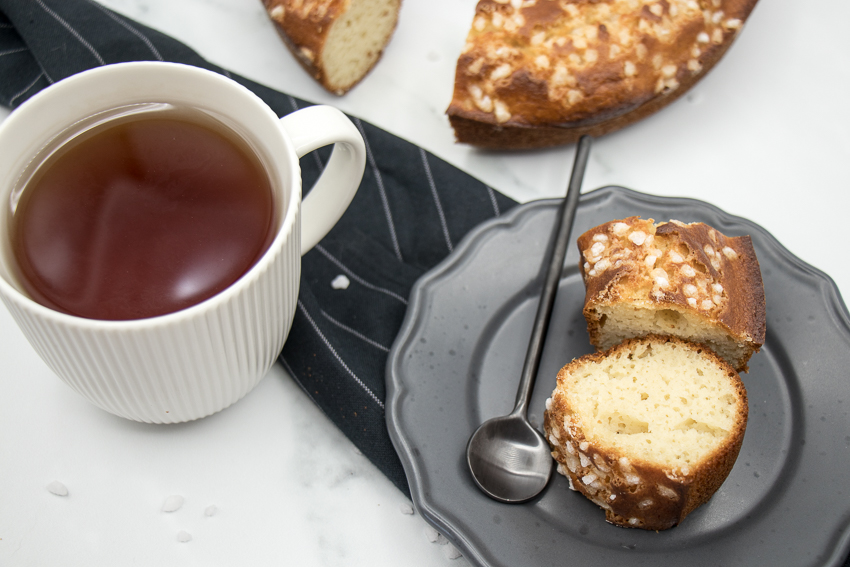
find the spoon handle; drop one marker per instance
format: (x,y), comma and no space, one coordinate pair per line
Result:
(564,224)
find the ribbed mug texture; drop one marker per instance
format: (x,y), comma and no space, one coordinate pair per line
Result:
(181,366)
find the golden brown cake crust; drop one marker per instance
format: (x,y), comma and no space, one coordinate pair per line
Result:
(696,269)
(635,493)
(303,27)
(539,73)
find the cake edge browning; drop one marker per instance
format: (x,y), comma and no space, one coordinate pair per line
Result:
(644,496)
(304,34)
(478,129)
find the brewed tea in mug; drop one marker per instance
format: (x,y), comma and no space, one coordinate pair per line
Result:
(140,212)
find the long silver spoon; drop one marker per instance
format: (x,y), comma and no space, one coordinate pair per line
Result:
(510,460)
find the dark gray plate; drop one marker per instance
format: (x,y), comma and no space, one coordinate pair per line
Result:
(457,363)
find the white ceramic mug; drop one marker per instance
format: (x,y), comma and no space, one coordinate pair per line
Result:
(191,363)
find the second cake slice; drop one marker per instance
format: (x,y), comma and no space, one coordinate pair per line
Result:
(672,278)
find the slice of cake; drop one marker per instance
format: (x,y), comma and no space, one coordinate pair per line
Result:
(648,430)
(337,41)
(687,280)
(537,73)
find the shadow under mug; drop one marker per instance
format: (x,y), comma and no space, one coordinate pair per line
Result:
(191,363)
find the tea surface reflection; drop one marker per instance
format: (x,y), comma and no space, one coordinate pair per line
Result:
(142,216)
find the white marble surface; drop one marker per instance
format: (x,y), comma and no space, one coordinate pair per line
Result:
(765,136)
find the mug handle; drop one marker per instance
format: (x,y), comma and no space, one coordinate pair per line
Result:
(310,129)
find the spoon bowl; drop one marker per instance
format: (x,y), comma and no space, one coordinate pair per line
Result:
(512,458)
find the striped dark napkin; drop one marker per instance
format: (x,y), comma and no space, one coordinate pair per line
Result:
(410,211)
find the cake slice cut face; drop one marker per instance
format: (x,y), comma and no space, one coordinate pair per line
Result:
(648,430)
(337,41)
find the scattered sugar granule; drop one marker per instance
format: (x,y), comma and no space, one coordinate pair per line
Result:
(211,510)
(434,536)
(451,552)
(183,536)
(340,282)
(406,509)
(431,534)
(172,503)
(57,488)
